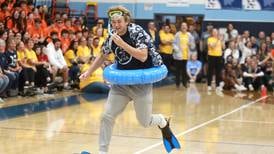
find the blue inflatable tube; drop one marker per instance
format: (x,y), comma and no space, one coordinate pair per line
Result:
(134,77)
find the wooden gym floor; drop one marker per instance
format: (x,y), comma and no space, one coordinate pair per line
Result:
(205,123)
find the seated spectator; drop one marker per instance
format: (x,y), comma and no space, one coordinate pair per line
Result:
(83,52)
(231,32)
(254,44)
(71,60)
(232,50)
(28,71)
(26,36)
(4,82)
(42,76)
(4,35)
(230,78)
(77,25)
(96,48)
(12,23)
(37,30)
(18,38)
(262,53)
(100,24)
(23,21)
(4,12)
(65,40)
(270,56)
(57,60)
(252,76)
(94,83)
(268,75)
(238,70)
(101,36)
(246,50)
(58,26)
(68,25)
(13,68)
(90,42)
(193,68)
(85,32)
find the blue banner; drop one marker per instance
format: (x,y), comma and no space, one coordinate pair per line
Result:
(231,4)
(258,4)
(267,4)
(223,4)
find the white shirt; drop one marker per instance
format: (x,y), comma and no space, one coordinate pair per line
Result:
(246,52)
(55,57)
(235,53)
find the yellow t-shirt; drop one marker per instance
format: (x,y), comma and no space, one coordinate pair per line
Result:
(83,51)
(31,55)
(69,55)
(168,48)
(101,41)
(96,51)
(217,50)
(184,39)
(111,57)
(21,55)
(96,76)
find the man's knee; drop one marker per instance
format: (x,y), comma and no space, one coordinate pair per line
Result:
(107,118)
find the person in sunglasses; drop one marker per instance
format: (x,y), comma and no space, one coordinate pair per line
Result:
(133,49)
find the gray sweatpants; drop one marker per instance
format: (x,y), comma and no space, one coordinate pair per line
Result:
(119,97)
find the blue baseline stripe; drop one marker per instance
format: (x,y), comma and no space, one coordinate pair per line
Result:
(25,109)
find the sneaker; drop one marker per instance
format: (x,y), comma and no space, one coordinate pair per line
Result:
(67,86)
(250,87)
(1,100)
(243,88)
(164,121)
(238,87)
(219,88)
(222,84)
(219,93)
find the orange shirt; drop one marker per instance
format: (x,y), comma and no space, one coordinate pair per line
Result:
(37,32)
(9,24)
(10,5)
(30,23)
(70,28)
(77,28)
(65,44)
(4,14)
(57,29)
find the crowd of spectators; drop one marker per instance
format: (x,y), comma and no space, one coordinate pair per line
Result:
(226,60)
(38,49)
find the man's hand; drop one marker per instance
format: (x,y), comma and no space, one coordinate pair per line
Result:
(118,40)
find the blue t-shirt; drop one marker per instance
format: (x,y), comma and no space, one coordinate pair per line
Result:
(193,66)
(3,61)
(11,58)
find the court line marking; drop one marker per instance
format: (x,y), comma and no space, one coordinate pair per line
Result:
(203,124)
